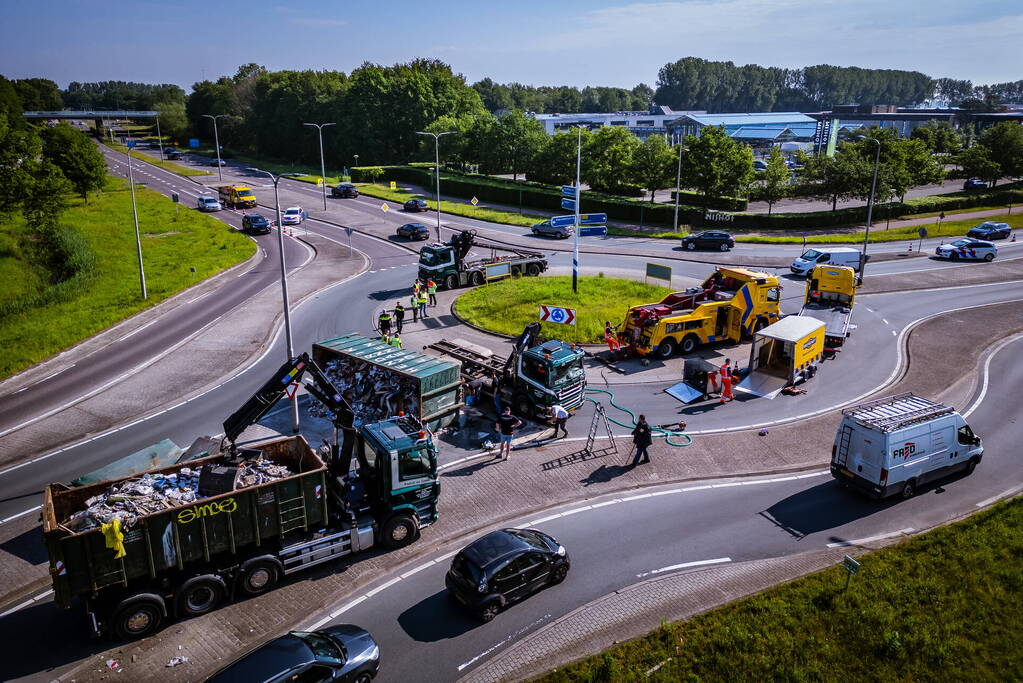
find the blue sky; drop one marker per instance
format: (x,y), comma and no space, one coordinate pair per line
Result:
(558,42)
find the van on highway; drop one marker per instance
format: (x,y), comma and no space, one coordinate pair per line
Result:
(835,256)
(893,445)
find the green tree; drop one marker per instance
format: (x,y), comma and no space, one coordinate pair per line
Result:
(38,94)
(654,165)
(1004,144)
(607,157)
(939,136)
(173,120)
(716,165)
(775,178)
(76,156)
(917,164)
(555,162)
(842,176)
(976,162)
(10,104)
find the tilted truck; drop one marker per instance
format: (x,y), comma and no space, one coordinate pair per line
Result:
(730,305)
(783,353)
(532,378)
(446,264)
(236,196)
(830,294)
(237,538)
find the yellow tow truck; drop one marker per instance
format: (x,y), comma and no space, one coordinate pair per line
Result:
(731,305)
(236,196)
(830,294)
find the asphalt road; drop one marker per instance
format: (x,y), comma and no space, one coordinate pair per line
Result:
(424,635)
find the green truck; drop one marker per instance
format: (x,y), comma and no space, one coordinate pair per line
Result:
(251,516)
(447,264)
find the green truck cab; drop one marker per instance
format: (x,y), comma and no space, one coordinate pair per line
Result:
(447,264)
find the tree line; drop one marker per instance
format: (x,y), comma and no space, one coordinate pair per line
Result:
(562,99)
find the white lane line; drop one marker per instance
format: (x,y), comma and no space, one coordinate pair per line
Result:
(139,329)
(418,569)
(192,301)
(27,603)
(987,373)
(445,556)
(544,519)
(53,374)
(685,565)
(502,642)
(893,334)
(370,594)
(20,514)
(871,539)
(885,321)
(1003,494)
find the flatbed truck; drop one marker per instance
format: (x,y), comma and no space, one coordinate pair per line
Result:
(446,264)
(186,560)
(830,294)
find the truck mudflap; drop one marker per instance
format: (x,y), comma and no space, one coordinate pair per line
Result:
(854,481)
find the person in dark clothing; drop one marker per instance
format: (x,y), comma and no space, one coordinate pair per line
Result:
(506,424)
(642,438)
(384,322)
(399,316)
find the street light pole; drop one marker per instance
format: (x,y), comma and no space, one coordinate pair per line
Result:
(678,183)
(159,137)
(870,206)
(135,216)
(284,290)
(216,142)
(436,149)
(323,170)
(578,197)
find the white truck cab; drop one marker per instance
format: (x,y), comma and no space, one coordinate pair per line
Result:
(894,445)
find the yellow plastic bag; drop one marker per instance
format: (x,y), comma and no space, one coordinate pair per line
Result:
(114,537)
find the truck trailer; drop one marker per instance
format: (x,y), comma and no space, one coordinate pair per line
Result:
(446,264)
(782,354)
(178,541)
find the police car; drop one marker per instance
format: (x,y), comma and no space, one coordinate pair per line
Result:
(967,248)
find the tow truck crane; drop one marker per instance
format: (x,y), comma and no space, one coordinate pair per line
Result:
(445,262)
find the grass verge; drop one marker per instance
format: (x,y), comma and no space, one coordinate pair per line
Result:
(507,306)
(155,161)
(173,241)
(941,607)
(947,228)
(480,213)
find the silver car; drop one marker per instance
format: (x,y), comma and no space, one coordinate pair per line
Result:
(548,230)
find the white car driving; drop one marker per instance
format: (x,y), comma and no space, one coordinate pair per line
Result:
(293,215)
(967,248)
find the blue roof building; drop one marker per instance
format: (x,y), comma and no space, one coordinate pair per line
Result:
(757,128)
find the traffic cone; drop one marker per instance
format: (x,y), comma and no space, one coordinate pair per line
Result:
(910,250)
(1013,237)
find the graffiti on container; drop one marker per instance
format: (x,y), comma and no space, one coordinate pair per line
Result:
(214,507)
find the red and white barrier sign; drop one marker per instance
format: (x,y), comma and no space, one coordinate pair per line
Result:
(555,314)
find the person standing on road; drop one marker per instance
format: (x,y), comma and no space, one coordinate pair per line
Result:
(642,437)
(611,337)
(399,316)
(431,288)
(384,322)
(506,424)
(396,341)
(414,305)
(726,382)
(424,299)
(559,416)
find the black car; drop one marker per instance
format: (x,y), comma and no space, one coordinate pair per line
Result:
(414,231)
(709,239)
(217,162)
(173,155)
(255,224)
(416,205)
(334,653)
(503,567)
(990,231)
(974,184)
(344,190)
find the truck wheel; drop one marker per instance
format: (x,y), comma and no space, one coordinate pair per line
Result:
(199,595)
(689,344)
(450,282)
(523,406)
(516,271)
(532,269)
(476,278)
(138,616)
(666,349)
(258,576)
(908,490)
(399,531)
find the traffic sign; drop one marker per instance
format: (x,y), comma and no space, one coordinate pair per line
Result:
(568,191)
(851,565)
(568,205)
(474,201)
(384,207)
(556,314)
(394,185)
(658,272)
(193,143)
(584,219)
(922,232)
(593,231)
(131,143)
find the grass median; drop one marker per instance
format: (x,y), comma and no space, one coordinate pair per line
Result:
(941,607)
(174,241)
(507,306)
(946,228)
(160,163)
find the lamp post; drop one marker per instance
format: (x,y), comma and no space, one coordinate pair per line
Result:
(436,148)
(216,142)
(135,216)
(678,183)
(870,205)
(284,287)
(159,137)
(323,172)
(578,197)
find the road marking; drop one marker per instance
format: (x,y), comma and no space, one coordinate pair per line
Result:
(502,642)
(871,539)
(192,301)
(684,565)
(986,373)
(20,514)
(1003,494)
(893,334)
(139,329)
(53,374)
(885,321)
(544,519)
(27,603)
(370,594)
(418,569)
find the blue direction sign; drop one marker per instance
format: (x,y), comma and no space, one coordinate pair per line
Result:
(193,143)
(593,231)
(584,219)
(562,221)
(568,191)
(568,204)
(131,143)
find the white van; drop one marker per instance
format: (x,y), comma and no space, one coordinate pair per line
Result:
(835,256)
(894,445)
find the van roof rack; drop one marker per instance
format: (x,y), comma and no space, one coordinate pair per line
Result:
(895,412)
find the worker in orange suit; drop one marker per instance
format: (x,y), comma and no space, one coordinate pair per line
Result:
(610,337)
(726,381)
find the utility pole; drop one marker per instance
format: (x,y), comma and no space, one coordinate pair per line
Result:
(216,141)
(870,206)
(436,149)
(323,171)
(678,183)
(578,197)
(159,137)
(135,216)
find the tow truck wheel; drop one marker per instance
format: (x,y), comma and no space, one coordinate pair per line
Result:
(666,349)
(476,278)
(399,531)
(688,344)
(450,282)
(532,270)
(199,595)
(138,617)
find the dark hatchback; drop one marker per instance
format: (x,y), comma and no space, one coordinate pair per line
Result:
(255,224)
(414,231)
(974,184)
(344,190)
(504,567)
(990,231)
(709,239)
(335,653)
(416,205)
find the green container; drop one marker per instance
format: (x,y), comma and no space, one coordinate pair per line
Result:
(380,380)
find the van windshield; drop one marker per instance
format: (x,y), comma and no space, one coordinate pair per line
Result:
(810,255)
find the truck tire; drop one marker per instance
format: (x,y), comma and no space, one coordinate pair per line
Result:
(533,269)
(259,575)
(516,271)
(908,489)
(523,406)
(476,278)
(199,595)
(666,349)
(399,531)
(451,282)
(689,344)
(138,616)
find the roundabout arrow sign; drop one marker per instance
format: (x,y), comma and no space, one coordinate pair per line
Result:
(556,314)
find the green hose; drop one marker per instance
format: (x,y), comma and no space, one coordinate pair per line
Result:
(656,431)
